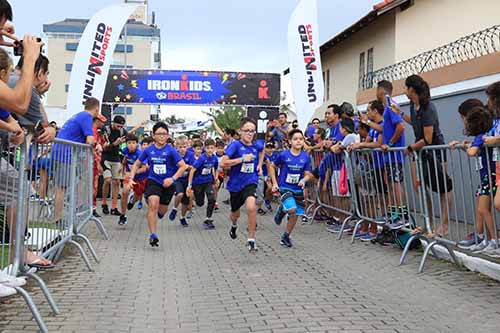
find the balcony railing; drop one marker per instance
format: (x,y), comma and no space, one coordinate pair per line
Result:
(466,48)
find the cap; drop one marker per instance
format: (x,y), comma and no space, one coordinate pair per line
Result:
(347,109)
(119,120)
(348,124)
(101,118)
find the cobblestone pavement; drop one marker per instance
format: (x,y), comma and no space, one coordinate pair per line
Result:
(202,281)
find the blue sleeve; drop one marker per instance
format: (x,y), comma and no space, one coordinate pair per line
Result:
(278,160)
(395,118)
(199,162)
(4,114)
(86,124)
(174,155)
(307,166)
(216,163)
(231,150)
(144,155)
(478,141)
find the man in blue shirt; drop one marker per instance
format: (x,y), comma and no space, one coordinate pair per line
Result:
(165,167)
(202,177)
(77,129)
(294,172)
(244,158)
(280,131)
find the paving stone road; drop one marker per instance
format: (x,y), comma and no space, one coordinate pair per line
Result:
(202,281)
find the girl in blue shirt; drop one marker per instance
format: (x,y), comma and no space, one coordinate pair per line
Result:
(295,171)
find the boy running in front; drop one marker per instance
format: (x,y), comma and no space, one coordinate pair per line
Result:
(202,177)
(295,171)
(166,166)
(131,154)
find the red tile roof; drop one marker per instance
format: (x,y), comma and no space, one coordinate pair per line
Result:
(382,4)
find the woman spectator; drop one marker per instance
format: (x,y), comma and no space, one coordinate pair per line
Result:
(424,119)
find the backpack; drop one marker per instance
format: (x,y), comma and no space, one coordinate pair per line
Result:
(402,237)
(386,236)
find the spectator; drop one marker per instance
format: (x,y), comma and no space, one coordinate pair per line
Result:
(312,127)
(279,130)
(333,115)
(99,122)
(77,129)
(347,111)
(112,166)
(53,124)
(424,119)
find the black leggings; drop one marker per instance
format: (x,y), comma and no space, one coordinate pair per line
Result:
(199,196)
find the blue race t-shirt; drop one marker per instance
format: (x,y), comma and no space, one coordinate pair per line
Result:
(189,160)
(76,129)
(243,174)
(130,159)
(485,155)
(292,168)
(334,132)
(378,157)
(162,162)
(310,131)
(391,119)
(205,166)
(4,114)
(271,158)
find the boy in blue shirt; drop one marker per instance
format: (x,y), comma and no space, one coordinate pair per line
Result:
(244,158)
(295,171)
(181,197)
(202,177)
(131,154)
(165,167)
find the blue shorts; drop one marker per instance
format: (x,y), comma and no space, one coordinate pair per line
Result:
(291,200)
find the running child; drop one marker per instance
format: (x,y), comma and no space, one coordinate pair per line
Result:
(146,142)
(294,172)
(181,197)
(131,154)
(244,158)
(166,166)
(219,152)
(202,178)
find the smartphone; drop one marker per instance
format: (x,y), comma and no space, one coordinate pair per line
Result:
(19,48)
(39,129)
(388,100)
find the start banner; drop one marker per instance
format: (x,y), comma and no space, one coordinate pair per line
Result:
(192,87)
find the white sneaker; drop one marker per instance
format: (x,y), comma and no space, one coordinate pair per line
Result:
(6,291)
(491,246)
(479,247)
(12,281)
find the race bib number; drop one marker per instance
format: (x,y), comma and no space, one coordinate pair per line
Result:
(292,179)
(160,169)
(206,171)
(247,168)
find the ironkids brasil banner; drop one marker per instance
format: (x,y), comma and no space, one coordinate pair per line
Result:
(192,87)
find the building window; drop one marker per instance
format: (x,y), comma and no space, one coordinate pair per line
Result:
(71,46)
(121,66)
(123,110)
(369,69)
(66,87)
(327,86)
(361,70)
(69,67)
(120,48)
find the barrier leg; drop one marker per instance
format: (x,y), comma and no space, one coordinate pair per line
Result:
(101,228)
(346,220)
(83,254)
(403,260)
(34,310)
(315,211)
(89,245)
(355,230)
(45,291)
(424,257)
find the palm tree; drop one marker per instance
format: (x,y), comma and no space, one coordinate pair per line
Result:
(227,116)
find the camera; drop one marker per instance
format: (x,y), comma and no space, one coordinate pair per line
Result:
(19,49)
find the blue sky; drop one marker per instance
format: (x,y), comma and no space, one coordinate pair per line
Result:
(240,35)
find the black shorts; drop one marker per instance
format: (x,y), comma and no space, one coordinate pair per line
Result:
(180,188)
(165,193)
(238,199)
(394,172)
(378,176)
(435,177)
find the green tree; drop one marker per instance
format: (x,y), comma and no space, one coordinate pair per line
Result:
(174,120)
(227,116)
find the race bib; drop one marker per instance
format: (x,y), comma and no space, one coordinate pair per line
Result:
(160,169)
(247,168)
(292,179)
(206,171)
(495,154)
(185,174)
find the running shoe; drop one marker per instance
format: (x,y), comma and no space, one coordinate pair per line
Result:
(115,212)
(105,209)
(189,214)
(368,237)
(184,223)
(491,247)
(123,220)
(11,281)
(360,234)
(139,205)
(285,240)
(95,213)
(232,231)
(479,247)
(130,201)
(395,224)
(160,216)
(252,248)
(211,224)
(268,206)
(470,241)
(261,211)
(304,219)
(280,214)
(207,224)
(335,228)
(332,221)
(173,214)
(216,207)
(6,291)
(153,240)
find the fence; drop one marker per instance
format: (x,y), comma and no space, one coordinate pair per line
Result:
(46,200)
(427,197)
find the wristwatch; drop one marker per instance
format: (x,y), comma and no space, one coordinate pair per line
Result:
(409,148)
(390,144)
(368,122)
